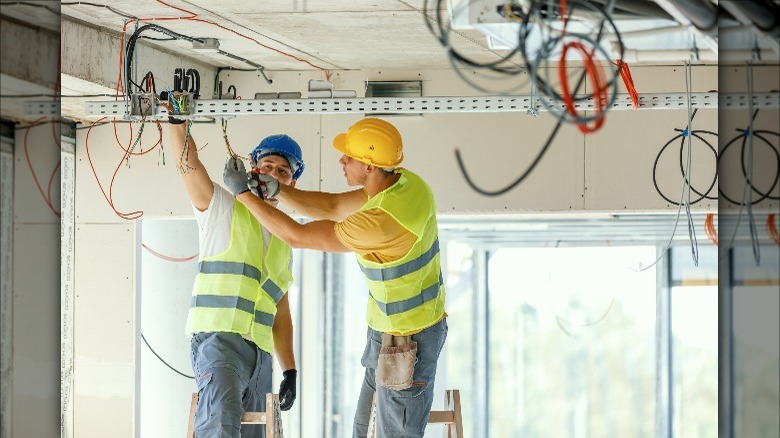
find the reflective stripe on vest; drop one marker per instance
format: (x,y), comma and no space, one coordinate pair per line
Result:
(237,268)
(238,289)
(406,295)
(232,302)
(385,274)
(427,294)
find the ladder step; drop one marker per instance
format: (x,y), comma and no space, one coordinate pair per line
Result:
(446,417)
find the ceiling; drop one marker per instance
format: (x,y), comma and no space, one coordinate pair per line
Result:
(348,35)
(331,34)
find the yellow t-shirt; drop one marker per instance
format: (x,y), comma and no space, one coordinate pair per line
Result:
(375,235)
(378,237)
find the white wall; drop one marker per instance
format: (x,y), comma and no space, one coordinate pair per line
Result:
(609,171)
(36,287)
(166,288)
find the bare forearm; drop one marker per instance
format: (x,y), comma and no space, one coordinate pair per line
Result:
(319,235)
(321,205)
(283,338)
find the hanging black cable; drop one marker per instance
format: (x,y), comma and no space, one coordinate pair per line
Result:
(544,148)
(130,49)
(97,5)
(743,136)
(163,361)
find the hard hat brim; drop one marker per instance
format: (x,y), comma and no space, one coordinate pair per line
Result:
(340,143)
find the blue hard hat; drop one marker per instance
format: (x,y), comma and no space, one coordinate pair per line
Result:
(283,145)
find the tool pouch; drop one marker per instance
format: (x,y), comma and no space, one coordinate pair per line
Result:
(397,357)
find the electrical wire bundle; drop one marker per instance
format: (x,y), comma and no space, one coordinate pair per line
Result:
(556,44)
(538,15)
(507,66)
(682,137)
(743,137)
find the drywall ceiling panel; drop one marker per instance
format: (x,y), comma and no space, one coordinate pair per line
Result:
(735,144)
(105,329)
(620,156)
(620,159)
(496,148)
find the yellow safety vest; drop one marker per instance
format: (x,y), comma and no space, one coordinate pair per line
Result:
(406,295)
(237,290)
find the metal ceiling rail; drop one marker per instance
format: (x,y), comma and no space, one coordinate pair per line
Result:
(417,105)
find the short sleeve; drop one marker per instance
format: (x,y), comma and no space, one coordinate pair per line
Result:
(375,235)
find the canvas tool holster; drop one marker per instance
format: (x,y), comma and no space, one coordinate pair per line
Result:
(397,357)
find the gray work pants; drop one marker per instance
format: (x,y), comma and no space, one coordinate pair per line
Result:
(400,414)
(233,376)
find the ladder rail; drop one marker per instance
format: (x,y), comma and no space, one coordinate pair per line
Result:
(451,417)
(272,422)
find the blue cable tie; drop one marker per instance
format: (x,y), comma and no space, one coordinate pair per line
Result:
(746,133)
(685,132)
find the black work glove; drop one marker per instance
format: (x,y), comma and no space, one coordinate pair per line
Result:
(287,389)
(174,121)
(234,176)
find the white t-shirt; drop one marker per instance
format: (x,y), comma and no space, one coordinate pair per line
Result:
(214,223)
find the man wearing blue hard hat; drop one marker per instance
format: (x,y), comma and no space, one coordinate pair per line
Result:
(239,314)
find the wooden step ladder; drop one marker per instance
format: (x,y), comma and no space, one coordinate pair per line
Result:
(270,421)
(450,417)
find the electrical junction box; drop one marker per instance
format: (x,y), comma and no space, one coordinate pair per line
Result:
(182,103)
(486,16)
(143,104)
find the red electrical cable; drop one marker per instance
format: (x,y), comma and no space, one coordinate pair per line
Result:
(709,228)
(771,228)
(109,197)
(563,13)
(628,81)
(596,77)
(192,14)
(168,258)
(47,199)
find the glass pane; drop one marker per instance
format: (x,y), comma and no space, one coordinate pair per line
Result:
(571,342)
(457,361)
(756,308)
(346,334)
(694,319)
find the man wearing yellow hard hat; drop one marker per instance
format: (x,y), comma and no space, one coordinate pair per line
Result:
(390,225)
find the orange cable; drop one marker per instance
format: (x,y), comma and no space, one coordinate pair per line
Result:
(625,73)
(109,197)
(46,199)
(709,228)
(771,228)
(169,258)
(597,83)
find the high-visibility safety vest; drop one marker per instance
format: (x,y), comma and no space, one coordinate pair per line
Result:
(237,290)
(406,295)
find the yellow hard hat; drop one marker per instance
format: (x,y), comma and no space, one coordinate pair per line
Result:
(372,141)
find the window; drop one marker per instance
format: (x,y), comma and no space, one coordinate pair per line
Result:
(554,342)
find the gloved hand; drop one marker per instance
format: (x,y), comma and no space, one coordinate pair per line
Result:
(234,176)
(174,121)
(263,185)
(287,389)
